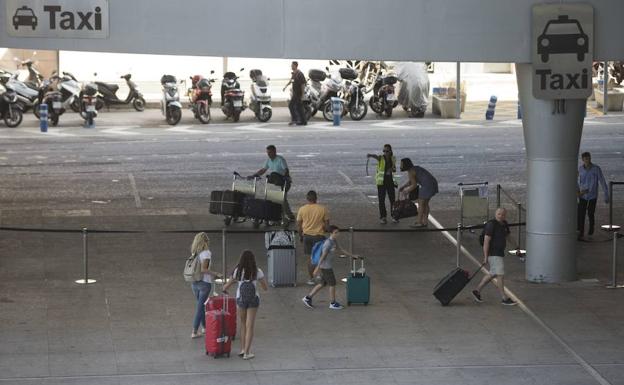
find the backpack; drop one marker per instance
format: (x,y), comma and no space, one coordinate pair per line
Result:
(317,251)
(482,236)
(192,269)
(247,291)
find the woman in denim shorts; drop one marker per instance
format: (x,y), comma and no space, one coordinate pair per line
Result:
(247,274)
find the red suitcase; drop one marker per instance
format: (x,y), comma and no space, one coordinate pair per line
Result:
(218,341)
(219,303)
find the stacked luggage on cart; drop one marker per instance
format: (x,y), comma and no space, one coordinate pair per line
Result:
(243,202)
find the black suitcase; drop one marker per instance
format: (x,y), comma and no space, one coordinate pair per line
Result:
(404,209)
(215,202)
(452,284)
(232,203)
(262,209)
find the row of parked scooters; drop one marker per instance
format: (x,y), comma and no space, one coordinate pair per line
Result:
(60,92)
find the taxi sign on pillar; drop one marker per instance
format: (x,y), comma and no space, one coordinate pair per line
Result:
(562,50)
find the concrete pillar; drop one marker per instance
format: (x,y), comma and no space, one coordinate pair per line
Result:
(552,134)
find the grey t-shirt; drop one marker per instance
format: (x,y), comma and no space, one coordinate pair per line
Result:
(330,247)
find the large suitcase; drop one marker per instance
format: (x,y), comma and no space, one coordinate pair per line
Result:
(216,197)
(262,209)
(217,340)
(227,202)
(281,258)
(404,209)
(221,302)
(452,284)
(358,285)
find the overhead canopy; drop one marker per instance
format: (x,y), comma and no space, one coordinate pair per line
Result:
(420,30)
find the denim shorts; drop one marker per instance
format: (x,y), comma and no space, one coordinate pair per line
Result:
(246,305)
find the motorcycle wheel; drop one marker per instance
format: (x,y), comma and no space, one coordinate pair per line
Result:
(374,105)
(16,119)
(236,115)
(265,115)
(308,112)
(54,119)
(99,103)
(203,114)
(173,115)
(388,111)
(36,109)
(358,112)
(327,112)
(139,104)
(75,105)
(313,112)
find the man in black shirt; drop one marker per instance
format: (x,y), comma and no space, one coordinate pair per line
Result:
(295,106)
(494,243)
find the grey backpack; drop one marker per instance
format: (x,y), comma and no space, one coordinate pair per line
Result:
(192,269)
(247,291)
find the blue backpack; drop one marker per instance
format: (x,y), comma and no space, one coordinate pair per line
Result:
(317,250)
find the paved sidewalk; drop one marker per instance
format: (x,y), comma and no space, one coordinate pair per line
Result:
(133,325)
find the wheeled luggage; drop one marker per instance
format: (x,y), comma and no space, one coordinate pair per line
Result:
(358,285)
(404,209)
(281,258)
(452,284)
(262,209)
(218,341)
(227,202)
(221,302)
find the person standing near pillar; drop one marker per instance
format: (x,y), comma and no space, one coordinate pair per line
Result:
(386,166)
(589,175)
(494,243)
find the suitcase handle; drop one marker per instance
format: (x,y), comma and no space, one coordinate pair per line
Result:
(353,271)
(476,272)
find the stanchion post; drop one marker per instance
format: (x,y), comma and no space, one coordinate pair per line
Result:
(611,204)
(351,239)
(614,284)
(85,258)
(459,240)
(519,224)
(498,195)
(224,252)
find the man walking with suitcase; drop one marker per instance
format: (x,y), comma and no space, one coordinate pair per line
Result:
(278,169)
(312,220)
(494,243)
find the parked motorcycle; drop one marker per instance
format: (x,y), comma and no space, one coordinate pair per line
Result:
(68,88)
(170,105)
(353,96)
(26,93)
(10,111)
(331,88)
(260,99)
(108,94)
(312,92)
(414,90)
(384,98)
(200,95)
(49,95)
(34,76)
(232,97)
(88,98)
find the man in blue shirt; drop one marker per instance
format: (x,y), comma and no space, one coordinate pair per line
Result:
(589,176)
(278,174)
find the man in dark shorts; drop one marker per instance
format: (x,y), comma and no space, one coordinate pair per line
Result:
(325,268)
(312,220)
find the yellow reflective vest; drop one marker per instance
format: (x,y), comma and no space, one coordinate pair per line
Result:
(381,169)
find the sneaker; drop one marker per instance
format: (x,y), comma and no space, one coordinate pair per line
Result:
(203,330)
(195,335)
(248,356)
(477,296)
(394,220)
(307,301)
(241,354)
(383,221)
(509,302)
(335,306)
(291,123)
(311,282)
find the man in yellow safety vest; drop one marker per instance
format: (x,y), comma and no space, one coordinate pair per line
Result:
(386,166)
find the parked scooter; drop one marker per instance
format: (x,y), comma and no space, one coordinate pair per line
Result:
(200,95)
(312,92)
(384,98)
(88,98)
(68,88)
(108,94)
(332,86)
(26,93)
(49,95)
(170,105)
(34,76)
(9,109)
(232,97)
(260,99)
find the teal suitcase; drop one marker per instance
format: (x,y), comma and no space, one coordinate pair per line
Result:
(358,286)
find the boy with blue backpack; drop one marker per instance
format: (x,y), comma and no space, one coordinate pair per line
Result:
(323,254)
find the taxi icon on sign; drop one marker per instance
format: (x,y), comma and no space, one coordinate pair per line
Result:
(24,16)
(562,36)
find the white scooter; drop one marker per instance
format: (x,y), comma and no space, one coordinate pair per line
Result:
(260,98)
(170,105)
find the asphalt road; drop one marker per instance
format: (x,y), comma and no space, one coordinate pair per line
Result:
(135,161)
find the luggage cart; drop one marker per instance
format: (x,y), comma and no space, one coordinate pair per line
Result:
(474,203)
(272,193)
(244,185)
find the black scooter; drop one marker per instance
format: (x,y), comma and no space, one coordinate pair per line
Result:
(108,94)
(9,109)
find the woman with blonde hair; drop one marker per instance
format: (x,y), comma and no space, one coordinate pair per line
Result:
(201,289)
(247,274)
